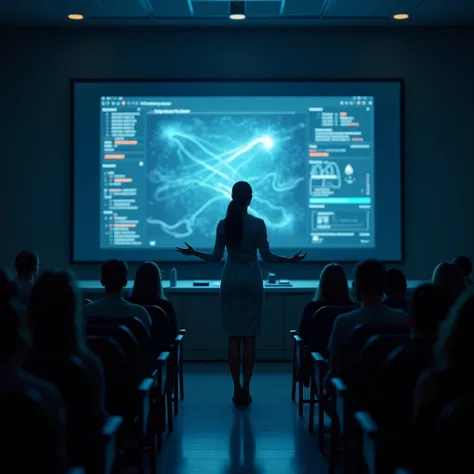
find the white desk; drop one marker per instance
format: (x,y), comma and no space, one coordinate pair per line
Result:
(198,311)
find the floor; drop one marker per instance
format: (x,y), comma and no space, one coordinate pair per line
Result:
(213,437)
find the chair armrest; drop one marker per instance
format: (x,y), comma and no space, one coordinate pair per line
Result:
(76,470)
(366,422)
(145,385)
(111,427)
(182,332)
(178,338)
(339,385)
(298,339)
(339,401)
(144,397)
(163,357)
(318,358)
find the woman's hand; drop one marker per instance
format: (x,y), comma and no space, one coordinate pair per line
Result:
(298,257)
(188,251)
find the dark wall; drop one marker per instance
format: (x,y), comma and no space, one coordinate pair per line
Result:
(437,65)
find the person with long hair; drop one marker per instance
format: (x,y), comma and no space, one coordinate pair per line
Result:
(333,290)
(452,376)
(450,276)
(55,318)
(148,291)
(49,451)
(241,292)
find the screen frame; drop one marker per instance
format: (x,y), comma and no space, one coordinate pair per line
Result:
(399,80)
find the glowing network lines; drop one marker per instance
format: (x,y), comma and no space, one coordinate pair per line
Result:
(206,170)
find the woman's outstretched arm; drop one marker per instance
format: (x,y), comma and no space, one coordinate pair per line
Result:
(215,256)
(270,257)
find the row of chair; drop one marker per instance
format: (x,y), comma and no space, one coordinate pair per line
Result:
(371,408)
(144,382)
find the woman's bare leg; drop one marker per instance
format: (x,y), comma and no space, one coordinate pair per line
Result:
(235,361)
(248,361)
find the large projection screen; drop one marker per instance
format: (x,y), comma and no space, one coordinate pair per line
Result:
(154,164)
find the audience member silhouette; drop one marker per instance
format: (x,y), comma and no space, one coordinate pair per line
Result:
(395,290)
(27,269)
(429,307)
(55,318)
(241,292)
(333,290)
(449,276)
(465,264)
(453,375)
(370,280)
(43,445)
(113,278)
(148,291)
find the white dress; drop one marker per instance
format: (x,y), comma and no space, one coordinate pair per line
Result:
(241,291)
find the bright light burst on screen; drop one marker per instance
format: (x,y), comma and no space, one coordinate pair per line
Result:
(198,162)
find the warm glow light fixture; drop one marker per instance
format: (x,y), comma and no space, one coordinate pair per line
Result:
(237,10)
(401,16)
(75,16)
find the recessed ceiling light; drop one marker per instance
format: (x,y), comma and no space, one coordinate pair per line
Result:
(401,16)
(237,10)
(75,16)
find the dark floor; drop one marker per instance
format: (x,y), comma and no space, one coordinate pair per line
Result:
(213,437)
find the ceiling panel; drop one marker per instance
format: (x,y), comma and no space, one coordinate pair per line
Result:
(351,8)
(446,10)
(302,7)
(171,8)
(14,10)
(269,12)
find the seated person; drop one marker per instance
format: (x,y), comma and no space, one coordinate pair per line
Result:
(453,374)
(50,453)
(370,279)
(55,318)
(114,279)
(395,290)
(27,268)
(333,290)
(430,306)
(465,264)
(449,276)
(148,291)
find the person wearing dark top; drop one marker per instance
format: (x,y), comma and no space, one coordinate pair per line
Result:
(48,454)
(333,290)
(55,318)
(453,374)
(27,269)
(450,276)
(465,264)
(395,290)
(148,291)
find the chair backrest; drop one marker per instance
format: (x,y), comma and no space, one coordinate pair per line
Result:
(365,375)
(120,380)
(363,332)
(126,340)
(136,326)
(161,330)
(398,381)
(70,376)
(30,439)
(321,326)
(455,436)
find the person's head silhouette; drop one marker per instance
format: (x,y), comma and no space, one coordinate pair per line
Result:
(241,198)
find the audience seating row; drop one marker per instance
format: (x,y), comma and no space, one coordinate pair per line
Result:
(144,376)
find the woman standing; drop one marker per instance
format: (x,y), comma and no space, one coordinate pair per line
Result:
(241,291)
